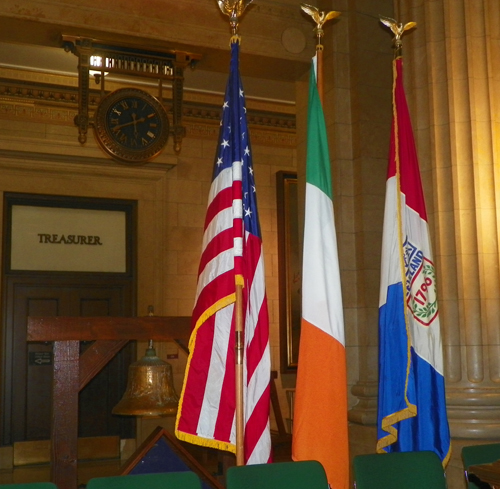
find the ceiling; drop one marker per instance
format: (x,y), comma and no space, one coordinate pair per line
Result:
(37,46)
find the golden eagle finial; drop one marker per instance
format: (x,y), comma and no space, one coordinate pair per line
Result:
(320,18)
(397,28)
(234,10)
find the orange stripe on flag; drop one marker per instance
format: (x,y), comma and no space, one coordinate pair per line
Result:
(320,412)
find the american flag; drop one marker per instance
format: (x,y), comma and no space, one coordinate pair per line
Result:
(231,253)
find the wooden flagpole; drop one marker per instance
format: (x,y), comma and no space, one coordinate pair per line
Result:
(234,10)
(240,420)
(319,72)
(320,18)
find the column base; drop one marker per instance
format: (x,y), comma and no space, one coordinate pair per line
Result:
(474,413)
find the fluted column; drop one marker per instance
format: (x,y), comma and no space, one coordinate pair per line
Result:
(453,88)
(358,111)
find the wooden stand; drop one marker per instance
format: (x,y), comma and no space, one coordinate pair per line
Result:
(73,372)
(487,473)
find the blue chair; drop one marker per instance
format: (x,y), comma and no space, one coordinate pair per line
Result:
(308,474)
(479,454)
(399,470)
(169,480)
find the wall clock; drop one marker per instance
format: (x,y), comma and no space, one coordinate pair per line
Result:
(131,125)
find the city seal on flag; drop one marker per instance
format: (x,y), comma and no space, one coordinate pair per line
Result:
(421,285)
(411,412)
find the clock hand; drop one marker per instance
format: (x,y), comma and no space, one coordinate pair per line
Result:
(134,122)
(134,115)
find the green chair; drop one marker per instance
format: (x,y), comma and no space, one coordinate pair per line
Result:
(30,485)
(308,474)
(479,454)
(169,480)
(399,470)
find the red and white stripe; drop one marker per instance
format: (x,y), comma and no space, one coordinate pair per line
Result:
(207,413)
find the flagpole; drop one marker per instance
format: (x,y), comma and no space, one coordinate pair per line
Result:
(411,390)
(320,18)
(319,68)
(398,30)
(320,429)
(234,10)
(240,421)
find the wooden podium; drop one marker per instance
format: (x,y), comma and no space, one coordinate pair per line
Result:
(73,372)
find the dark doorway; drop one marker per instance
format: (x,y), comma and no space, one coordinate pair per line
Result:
(27,367)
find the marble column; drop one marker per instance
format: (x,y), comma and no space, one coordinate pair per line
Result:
(358,111)
(452,75)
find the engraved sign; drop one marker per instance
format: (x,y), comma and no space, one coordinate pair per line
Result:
(68,239)
(39,358)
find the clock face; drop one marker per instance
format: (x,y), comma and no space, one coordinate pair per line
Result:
(131,126)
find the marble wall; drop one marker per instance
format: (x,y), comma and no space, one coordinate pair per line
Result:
(451,76)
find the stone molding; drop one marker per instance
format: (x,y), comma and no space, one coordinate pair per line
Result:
(55,104)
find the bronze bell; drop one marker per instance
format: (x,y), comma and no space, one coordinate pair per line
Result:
(150,388)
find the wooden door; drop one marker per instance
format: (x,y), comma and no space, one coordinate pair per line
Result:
(48,274)
(27,379)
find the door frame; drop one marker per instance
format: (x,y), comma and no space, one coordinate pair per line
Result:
(10,277)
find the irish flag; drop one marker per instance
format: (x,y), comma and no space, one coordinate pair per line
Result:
(320,411)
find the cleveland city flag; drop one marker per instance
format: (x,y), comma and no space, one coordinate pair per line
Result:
(231,253)
(320,408)
(411,398)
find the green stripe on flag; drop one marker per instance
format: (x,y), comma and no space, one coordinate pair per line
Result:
(318,171)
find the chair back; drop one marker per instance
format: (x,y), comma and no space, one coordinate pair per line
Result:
(479,454)
(399,470)
(30,485)
(170,480)
(308,474)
